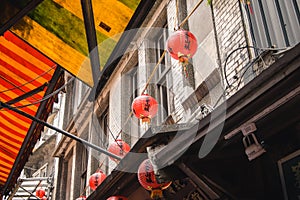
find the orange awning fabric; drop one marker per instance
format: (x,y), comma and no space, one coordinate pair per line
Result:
(26,76)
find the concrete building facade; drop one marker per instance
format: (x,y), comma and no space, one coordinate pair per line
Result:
(237,40)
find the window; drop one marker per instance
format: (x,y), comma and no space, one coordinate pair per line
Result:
(133,85)
(79,91)
(68,170)
(134,130)
(103,120)
(164,78)
(273,23)
(84,161)
(41,172)
(129,91)
(104,138)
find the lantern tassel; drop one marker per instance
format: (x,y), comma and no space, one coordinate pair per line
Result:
(156,193)
(250,7)
(145,124)
(184,61)
(185,71)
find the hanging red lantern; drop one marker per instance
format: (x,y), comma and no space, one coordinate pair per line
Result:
(81,198)
(182,45)
(147,179)
(119,148)
(96,179)
(117,198)
(144,107)
(40,192)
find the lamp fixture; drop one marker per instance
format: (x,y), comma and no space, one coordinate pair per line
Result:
(253,148)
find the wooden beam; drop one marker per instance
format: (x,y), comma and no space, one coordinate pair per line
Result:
(198,181)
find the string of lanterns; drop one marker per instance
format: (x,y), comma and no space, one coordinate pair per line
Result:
(181,45)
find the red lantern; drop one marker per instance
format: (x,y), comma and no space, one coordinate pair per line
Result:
(119,148)
(81,198)
(182,45)
(147,179)
(40,192)
(96,179)
(117,198)
(144,107)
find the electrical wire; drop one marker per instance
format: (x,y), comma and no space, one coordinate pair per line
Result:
(39,76)
(240,48)
(245,71)
(111,133)
(48,96)
(154,70)
(161,58)
(11,83)
(163,54)
(100,140)
(190,14)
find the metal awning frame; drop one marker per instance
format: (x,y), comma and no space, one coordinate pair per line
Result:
(32,134)
(31,193)
(22,13)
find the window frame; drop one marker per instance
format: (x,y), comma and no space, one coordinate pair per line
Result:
(163,82)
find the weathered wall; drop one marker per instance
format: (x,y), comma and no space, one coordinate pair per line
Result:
(230,36)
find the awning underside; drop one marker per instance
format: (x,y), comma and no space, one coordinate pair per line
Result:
(56,28)
(24,76)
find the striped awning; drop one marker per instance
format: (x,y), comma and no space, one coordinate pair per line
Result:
(25,77)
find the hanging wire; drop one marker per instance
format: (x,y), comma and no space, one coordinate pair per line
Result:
(240,48)
(84,190)
(48,96)
(176,21)
(19,86)
(111,133)
(162,56)
(22,90)
(246,69)
(154,70)
(147,84)
(101,164)
(115,138)
(191,13)
(100,140)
